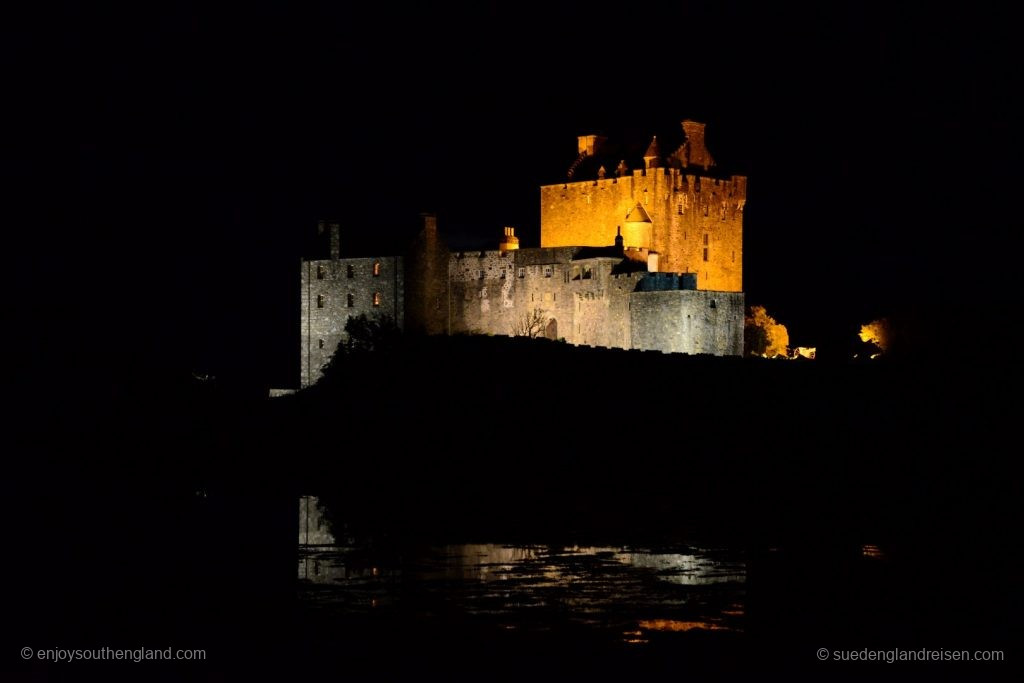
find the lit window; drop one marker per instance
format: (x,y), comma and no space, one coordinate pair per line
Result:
(350,271)
(376,298)
(319,300)
(376,268)
(351,300)
(319,271)
(705,253)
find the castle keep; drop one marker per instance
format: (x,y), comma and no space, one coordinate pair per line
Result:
(638,251)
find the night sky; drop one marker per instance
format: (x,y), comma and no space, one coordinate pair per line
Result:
(170,162)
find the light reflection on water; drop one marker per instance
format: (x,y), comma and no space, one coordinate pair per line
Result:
(626,590)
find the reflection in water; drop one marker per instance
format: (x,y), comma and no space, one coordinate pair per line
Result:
(872,552)
(622,590)
(675,625)
(313,527)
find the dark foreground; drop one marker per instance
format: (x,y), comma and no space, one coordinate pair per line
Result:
(871,506)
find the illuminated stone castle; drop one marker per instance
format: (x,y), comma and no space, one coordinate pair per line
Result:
(639,250)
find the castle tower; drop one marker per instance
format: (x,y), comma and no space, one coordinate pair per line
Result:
(692,214)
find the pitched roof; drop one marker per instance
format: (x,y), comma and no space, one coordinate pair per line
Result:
(638,214)
(652,149)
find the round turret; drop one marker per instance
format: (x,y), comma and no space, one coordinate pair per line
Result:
(637,230)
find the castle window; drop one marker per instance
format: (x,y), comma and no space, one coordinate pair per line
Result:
(588,273)
(705,239)
(350,271)
(319,271)
(549,271)
(502,276)
(376,268)
(480,274)
(319,300)
(320,343)
(376,298)
(705,253)
(522,272)
(351,300)
(713,304)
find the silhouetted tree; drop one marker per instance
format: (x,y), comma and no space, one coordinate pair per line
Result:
(755,340)
(364,335)
(533,324)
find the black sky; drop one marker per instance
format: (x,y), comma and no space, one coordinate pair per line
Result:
(170,160)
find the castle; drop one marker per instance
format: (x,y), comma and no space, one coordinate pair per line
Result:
(638,251)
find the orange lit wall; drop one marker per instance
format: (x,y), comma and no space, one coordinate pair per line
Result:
(684,208)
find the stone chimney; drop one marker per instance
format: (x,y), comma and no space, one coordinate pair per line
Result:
(589,145)
(509,242)
(334,237)
(429,222)
(696,153)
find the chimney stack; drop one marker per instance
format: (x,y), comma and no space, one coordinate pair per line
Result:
(334,237)
(509,242)
(429,222)
(589,145)
(697,153)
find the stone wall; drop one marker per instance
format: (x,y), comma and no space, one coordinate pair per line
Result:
(687,321)
(542,282)
(482,299)
(590,304)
